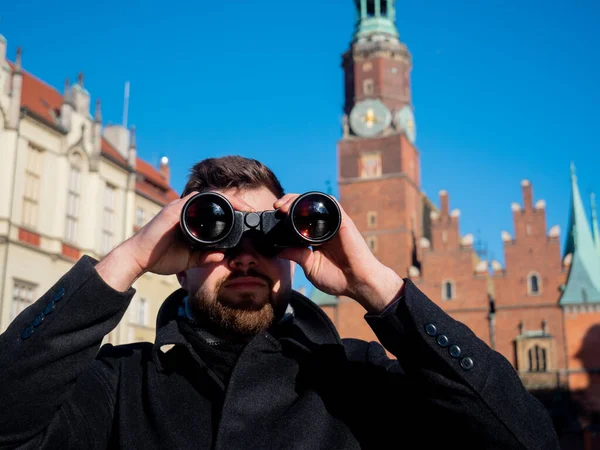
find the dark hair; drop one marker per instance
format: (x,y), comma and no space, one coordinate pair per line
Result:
(231,172)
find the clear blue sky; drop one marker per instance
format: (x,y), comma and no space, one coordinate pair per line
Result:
(501,91)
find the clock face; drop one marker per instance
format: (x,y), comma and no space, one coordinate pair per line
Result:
(404,120)
(369,118)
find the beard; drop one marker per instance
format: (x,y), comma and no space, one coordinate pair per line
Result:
(241,314)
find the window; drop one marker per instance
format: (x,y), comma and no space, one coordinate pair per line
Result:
(448,290)
(142,312)
(108,218)
(384,4)
(533,284)
(368,86)
(372,243)
(537,359)
(367,67)
(23,296)
(370,165)
(73,195)
(371,8)
(139,217)
(372,219)
(31,194)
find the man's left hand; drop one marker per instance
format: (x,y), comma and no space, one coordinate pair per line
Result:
(345,266)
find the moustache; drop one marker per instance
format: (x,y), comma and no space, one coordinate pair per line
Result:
(248,273)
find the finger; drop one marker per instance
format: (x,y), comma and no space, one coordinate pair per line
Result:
(285,202)
(239,204)
(204,258)
(301,255)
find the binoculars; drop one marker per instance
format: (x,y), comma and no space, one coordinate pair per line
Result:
(208,221)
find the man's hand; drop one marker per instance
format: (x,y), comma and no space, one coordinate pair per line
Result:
(345,265)
(158,247)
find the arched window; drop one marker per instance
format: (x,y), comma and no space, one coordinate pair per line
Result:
(534,284)
(448,290)
(537,359)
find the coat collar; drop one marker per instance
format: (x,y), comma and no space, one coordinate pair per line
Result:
(311,326)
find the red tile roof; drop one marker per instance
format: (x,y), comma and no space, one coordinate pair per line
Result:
(112,153)
(44,101)
(150,173)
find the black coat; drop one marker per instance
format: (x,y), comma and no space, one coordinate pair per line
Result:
(298,386)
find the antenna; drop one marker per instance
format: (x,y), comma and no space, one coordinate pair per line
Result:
(126,104)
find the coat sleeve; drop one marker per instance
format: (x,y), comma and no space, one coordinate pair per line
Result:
(48,358)
(470,394)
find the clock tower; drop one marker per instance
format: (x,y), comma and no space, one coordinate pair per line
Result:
(379,176)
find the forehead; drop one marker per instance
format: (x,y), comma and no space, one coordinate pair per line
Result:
(261,199)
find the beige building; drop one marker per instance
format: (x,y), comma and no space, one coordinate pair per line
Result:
(69,186)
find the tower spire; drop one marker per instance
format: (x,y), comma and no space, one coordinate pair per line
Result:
(583,284)
(595,229)
(375,17)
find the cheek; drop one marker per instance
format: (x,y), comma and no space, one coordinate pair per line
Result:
(284,275)
(207,276)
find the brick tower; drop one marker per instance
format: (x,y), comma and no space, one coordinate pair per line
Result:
(379,177)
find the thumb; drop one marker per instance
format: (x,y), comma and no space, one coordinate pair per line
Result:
(301,255)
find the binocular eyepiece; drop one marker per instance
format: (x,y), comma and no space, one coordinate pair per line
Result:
(208,221)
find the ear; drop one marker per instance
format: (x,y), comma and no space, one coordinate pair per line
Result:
(183,279)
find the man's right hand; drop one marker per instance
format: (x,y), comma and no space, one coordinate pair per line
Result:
(158,247)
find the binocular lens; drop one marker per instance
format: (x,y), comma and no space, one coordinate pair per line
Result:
(316,217)
(208,220)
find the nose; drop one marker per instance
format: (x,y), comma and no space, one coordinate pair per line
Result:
(243,257)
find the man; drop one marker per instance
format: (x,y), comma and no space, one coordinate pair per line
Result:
(241,361)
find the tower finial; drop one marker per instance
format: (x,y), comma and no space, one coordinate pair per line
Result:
(18,62)
(98,115)
(132,139)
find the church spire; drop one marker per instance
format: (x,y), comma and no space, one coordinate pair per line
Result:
(595,228)
(375,17)
(583,284)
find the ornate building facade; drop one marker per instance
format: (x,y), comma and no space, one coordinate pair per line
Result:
(541,310)
(69,185)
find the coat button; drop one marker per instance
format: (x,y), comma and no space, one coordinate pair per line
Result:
(455,351)
(443,340)
(27,332)
(38,320)
(49,308)
(466,363)
(430,329)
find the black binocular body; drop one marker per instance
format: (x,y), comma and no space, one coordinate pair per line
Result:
(209,221)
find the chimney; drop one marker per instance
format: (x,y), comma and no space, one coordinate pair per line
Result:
(81,97)
(165,171)
(444,208)
(14,111)
(527,195)
(118,137)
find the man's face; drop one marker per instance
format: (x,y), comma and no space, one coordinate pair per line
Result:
(247,291)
